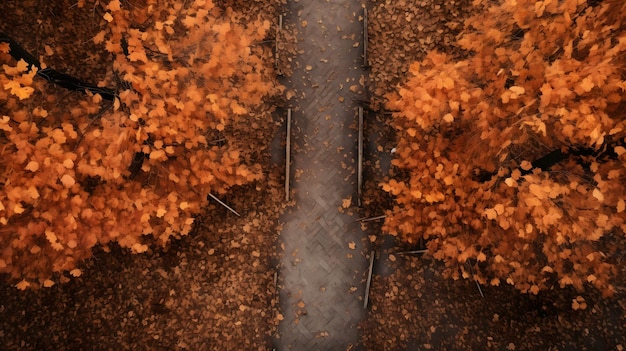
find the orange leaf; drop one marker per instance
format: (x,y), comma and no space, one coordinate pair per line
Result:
(68,181)
(525,165)
(18,209)
(491,213)
(22,285)
(32,166)
(587,84)
(598,194)
(68,163)
(114,5)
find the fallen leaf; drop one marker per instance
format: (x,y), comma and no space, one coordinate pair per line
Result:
(598,194)
(22,285)
(346,202)
(32,166)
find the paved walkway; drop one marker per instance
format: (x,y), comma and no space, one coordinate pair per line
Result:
(323,270)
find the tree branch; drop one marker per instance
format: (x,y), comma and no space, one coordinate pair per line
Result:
(61,79)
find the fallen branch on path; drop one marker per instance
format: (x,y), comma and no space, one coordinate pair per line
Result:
(369,279)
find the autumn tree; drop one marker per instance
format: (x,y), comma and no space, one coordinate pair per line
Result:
(511,163)
(95,169)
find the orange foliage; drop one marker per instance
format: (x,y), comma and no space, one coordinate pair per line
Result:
(541,76)
(192,73)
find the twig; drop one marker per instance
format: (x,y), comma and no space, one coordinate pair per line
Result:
(370,218)
(365,37)
(360,159)
(288,155)
(263,42)
(223,204)
(217,140)
(279,28)
(369,279)
(416,252)
(475,281)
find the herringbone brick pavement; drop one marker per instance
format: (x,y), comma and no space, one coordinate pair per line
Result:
(321,280)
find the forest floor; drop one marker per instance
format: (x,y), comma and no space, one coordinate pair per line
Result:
(214,289)
(412,307)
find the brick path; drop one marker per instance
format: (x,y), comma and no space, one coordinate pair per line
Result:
(321,278)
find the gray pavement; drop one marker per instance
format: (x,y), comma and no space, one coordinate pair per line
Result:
(322,272)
